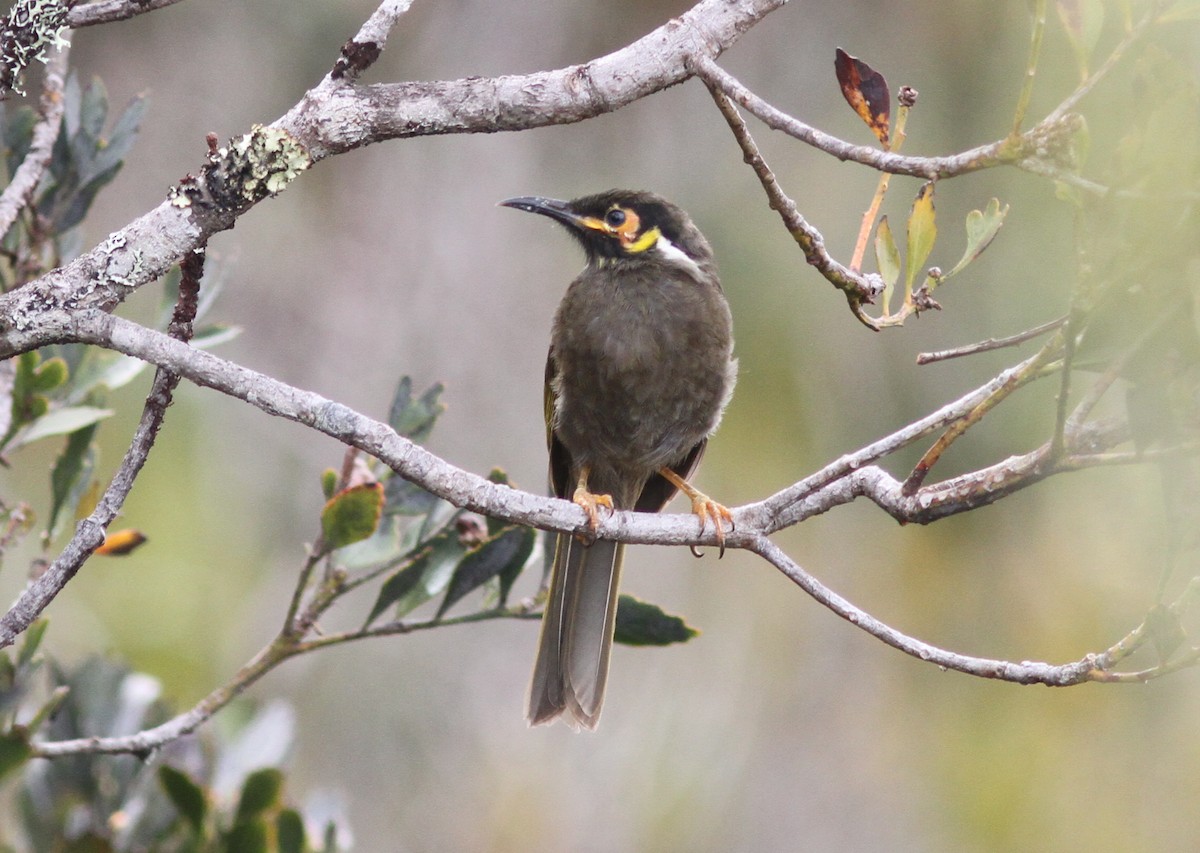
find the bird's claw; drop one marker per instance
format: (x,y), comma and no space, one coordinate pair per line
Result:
(590,503)
(706,508)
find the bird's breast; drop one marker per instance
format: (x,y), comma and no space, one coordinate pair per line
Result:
(644,367)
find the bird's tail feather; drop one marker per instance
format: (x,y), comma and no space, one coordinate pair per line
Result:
(571,670)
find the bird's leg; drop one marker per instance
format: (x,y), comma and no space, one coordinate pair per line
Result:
(703,506)
(591,503)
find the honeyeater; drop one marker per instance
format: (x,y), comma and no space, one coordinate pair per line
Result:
(640,369)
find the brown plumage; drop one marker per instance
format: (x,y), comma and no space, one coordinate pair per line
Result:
(639,371)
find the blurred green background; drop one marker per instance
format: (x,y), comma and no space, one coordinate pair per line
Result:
(781,727)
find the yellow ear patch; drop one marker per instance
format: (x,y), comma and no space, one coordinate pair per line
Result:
(644,242)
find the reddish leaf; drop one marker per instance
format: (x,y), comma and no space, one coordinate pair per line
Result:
(866,92)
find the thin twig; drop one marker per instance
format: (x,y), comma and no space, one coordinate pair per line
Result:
(1025,672)
(990,344)
(90,533)
(1035,53)
(1114,57)
(1001,152)
(858,288)
(1032,371)
(41,147)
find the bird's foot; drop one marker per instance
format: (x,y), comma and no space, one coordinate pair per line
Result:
(704,507)
(591,503)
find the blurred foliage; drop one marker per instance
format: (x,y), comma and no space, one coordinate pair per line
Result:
(171,799)
(378,525)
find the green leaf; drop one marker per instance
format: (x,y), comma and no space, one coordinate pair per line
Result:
(425,577)
(351,515)
(214,334)
(1165,630)
(93,110)
(124,133)
(30,641)
(887,261)
(60,422)
(509,574)
(289,832)
(249,837)
(1181,10)
(506,552)
(329,481)
(922,233)
(982,228)
(414,419)
(187,797)
(642,624)
(1083,20)
(14,751)
(71,474)
(49,375)
(260,793)
(407,498)
(107,369)
(500,478)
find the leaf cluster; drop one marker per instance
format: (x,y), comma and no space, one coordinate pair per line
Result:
(179,799)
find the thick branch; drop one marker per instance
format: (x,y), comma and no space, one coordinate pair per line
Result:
(337,116)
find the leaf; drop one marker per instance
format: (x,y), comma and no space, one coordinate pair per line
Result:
(407,498)
(30,641)
(187,797)
(425,577)
(866,91)
(351,515)
(640,623)
(248,837)
(1165,631)
(500,478)
(121,542)
(14,751)
(50,374)
(922,233)
(501,553)
(289,832)
(887,260)
(982,228)
(71,473)
(329,481)
(414,419)
(1083,20)
(60,422)
(1181,10)
(260,793)
(214,334)
(509,574)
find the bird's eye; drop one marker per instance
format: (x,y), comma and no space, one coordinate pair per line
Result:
(615,218)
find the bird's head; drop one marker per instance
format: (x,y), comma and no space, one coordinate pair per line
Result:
(625,225)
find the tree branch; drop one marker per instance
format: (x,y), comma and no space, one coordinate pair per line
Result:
(89,534)
(107,11)
(337,116)
(25,180)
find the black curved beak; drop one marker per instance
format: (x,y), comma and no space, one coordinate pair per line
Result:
(560,211)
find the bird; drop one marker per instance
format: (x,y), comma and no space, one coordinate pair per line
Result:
(639,373)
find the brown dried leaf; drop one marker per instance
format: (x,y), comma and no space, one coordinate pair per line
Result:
(866,91)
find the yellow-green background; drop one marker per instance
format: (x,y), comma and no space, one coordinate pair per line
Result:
(781,727)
